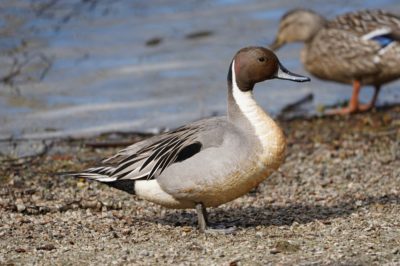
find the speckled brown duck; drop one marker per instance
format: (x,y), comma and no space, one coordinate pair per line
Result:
(211,161)
(359,48)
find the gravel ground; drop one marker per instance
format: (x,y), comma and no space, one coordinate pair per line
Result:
(335,201)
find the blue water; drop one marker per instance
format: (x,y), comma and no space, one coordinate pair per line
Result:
(101,75)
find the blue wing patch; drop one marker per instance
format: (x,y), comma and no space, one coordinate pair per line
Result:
(383,40)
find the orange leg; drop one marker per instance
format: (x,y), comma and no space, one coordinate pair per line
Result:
(353,104)
(371,104)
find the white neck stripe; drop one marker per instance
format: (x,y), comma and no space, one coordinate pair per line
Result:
(244,99)
(250,109)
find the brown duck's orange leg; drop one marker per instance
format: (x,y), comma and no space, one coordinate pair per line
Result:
(371,104)
(353,104)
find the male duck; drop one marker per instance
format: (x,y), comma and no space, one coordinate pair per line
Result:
(211,161)
(362,48)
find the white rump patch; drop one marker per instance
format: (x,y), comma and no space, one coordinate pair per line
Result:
(150,190)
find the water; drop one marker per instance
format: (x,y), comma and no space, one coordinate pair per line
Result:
(87,68)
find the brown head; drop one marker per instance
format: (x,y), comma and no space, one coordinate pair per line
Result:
(298,25)
(256,64)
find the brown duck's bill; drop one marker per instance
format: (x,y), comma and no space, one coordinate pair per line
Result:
(283,73)
(275,45)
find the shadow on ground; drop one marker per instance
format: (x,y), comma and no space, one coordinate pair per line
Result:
(275,215)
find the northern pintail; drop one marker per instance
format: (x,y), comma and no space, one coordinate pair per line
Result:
(211,161)
(359,48)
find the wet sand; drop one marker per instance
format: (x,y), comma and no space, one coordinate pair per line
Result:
(335,201)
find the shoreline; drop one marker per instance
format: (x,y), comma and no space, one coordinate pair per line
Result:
(335,200)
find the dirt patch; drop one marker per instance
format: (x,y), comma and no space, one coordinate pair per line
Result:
(336,200)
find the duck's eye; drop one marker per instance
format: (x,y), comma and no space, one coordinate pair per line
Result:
(261,59)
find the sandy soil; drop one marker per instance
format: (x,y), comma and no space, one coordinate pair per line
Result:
(336,200)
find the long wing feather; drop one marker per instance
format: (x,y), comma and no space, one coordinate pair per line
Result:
(149,160)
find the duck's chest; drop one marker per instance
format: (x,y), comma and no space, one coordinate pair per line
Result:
(265,157)
(239,182)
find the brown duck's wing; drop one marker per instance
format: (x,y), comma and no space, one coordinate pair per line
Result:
(342,56)
(366,21)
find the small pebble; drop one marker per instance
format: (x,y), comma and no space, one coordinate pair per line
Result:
(21,207)
(46,247)
(20,250)
(274,251)
(144,253)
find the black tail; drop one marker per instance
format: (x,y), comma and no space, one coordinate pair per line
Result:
(127,185)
